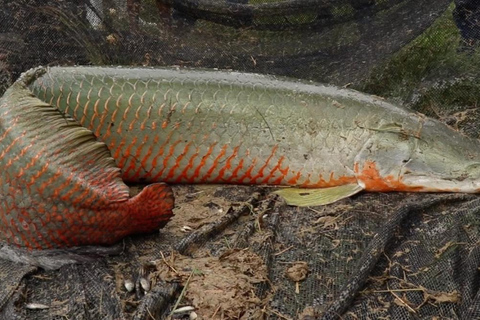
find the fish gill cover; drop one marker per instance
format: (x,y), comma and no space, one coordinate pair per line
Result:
(239,253)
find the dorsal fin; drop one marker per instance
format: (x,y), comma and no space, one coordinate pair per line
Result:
(53,153)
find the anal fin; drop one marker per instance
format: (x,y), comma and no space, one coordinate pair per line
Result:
(317,197)
(151,209)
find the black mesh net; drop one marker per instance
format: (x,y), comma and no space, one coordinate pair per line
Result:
(236,252)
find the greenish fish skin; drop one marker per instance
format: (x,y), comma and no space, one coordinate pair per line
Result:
(204,126)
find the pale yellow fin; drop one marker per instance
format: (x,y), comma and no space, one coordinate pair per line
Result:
(317,197)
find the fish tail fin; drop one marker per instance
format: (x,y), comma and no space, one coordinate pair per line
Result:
(75,194)
(151,209)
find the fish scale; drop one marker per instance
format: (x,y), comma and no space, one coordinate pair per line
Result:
(191,127)
(62,172)
(49,198)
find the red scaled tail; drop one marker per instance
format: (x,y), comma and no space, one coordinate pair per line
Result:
(59,186)
(151,209)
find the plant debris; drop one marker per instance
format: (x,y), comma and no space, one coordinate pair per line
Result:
(219,287)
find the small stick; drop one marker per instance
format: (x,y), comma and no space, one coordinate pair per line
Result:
(168,265)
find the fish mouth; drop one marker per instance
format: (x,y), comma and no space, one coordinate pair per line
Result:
(427,183)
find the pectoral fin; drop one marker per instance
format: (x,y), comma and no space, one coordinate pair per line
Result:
(317,197)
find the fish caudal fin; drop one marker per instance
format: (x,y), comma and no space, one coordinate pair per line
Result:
(151,209)
(59,186)
(317,197)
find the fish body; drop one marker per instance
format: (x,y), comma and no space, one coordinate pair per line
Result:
(187,126)
(200,126)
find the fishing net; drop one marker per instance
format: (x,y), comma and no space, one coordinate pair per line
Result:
(237,252)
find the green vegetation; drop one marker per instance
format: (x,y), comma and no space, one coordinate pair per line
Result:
(430,74)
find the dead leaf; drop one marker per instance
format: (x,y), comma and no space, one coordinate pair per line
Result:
(309,313)
(298,271)
(453,297)
(327,221)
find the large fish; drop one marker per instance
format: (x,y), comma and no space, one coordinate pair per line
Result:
(61,188)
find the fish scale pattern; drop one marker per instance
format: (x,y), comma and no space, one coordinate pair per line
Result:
(50,199)
(198,126)
(194,126)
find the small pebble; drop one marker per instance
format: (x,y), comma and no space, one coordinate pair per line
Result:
(186,229)
(184,309)
(129,285)
(145,284)
(36,306)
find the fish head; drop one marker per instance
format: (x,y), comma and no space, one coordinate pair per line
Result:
(437,159)
(443,160)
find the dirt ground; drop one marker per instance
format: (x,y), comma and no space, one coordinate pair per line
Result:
(219,275)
